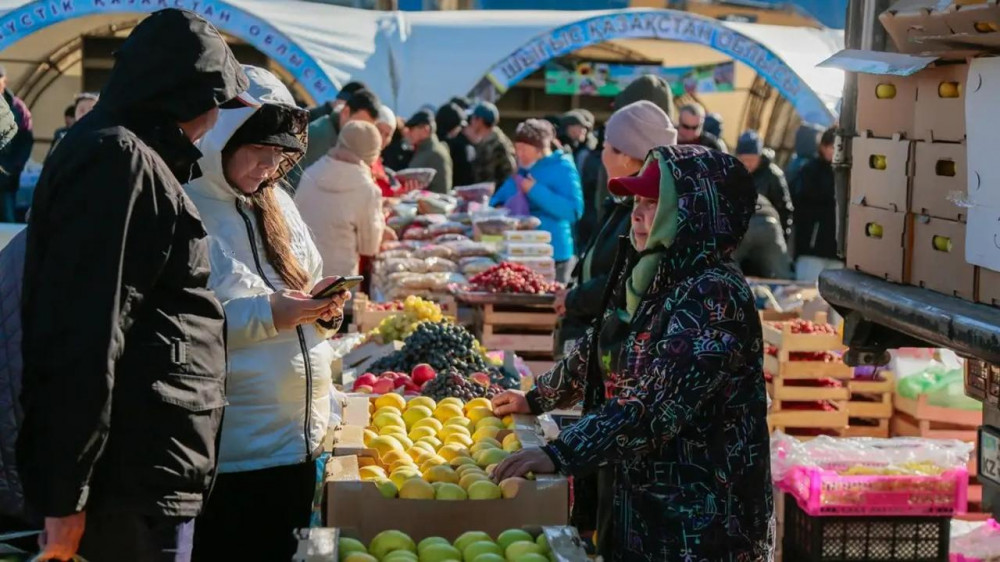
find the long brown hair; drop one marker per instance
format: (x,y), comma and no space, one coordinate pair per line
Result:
(278,238)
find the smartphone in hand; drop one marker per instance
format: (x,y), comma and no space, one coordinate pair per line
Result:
(338,286)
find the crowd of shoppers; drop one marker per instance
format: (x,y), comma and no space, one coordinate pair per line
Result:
(200,210)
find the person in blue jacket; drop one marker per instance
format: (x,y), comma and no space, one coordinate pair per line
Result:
(551,184)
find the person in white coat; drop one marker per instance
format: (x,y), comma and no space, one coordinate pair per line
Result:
(264,269)
(341,203)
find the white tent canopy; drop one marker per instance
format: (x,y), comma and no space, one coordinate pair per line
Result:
(411,59)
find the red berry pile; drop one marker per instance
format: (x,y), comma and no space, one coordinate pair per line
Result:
(800,326)
(512,278)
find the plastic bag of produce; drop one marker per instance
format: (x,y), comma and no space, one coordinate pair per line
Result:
(398,223)
(451,238)
(528,223)
(470,249)
(402,265)
(415,233)
(415,282)
(395,254)
(434,251)
(447,227)
(441,282)
(436,204)
(475,265)
(944,388)
(439,265)
(494,226)
(476,191)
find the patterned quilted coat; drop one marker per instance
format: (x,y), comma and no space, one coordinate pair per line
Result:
(11,273)
(684,422)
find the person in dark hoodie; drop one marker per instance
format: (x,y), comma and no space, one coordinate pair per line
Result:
(816,213)
(451,122)
(764,251)
(124,350)
(675,368)
(16,154)
(806,144)
(767,177)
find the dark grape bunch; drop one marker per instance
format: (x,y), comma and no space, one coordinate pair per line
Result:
(455,384)
(442,345)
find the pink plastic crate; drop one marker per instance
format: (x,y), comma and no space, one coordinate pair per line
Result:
(820,491)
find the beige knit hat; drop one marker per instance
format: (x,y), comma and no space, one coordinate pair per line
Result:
(638,128)
(361,139)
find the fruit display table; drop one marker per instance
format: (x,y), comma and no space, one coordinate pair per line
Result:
(421,466)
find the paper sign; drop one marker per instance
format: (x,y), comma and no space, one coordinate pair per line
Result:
(982,237)
(982,123)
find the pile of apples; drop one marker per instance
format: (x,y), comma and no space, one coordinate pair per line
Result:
(389,381)
(443,450)
(512,545)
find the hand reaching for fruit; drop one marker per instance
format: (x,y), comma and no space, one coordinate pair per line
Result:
(522,462)
(511,402)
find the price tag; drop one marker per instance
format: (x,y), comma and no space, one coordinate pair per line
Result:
(989,454)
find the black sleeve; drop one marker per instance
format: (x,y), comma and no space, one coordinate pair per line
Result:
(586,298)
(781,198)
(99,252)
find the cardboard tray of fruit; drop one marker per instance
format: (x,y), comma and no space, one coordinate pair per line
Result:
(556,543)
(512,299)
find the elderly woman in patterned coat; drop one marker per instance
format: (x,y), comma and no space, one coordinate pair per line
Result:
(683,419)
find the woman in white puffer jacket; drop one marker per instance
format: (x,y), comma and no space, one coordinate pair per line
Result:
(264,267)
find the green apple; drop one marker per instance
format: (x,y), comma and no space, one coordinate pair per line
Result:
(391,541)
(348,546)
(511,536)
(469,537)
(517,550)
(482,547)
(430,541)
(439,553)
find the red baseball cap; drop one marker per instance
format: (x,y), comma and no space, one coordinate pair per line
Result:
(645,184)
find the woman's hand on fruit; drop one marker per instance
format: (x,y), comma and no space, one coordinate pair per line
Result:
(510,402)
(294,308)
(522,462)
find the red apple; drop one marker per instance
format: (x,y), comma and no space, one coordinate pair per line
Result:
(480,378)
(364,389)
(411,386)
(422,373)
(367,379)
(401,381)
(386,374)
(383,386)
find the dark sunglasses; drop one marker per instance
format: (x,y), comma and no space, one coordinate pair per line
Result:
(689,127)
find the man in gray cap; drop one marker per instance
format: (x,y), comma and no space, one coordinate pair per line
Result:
(428,151)
(15,155)
(494,152)
(578,126)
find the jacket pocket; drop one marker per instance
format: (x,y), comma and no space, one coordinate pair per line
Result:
(191,392)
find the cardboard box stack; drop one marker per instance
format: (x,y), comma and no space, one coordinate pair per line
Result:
(532,248)
(922,196)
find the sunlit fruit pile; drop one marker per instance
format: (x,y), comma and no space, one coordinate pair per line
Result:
(442,345)
(414,311)
(409,384)
(510,277)
(800,326)
(512,545)
(438,450)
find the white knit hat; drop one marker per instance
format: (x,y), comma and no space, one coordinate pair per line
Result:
(386,116)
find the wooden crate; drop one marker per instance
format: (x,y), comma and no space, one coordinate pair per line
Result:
(904,425)
(780,391)
(875,406)
(521,329)
(808,419)
(860,427)
(927,415)
(365,317)
(787,342)
(782,366)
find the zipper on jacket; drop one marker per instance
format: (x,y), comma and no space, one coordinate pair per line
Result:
(298,330)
